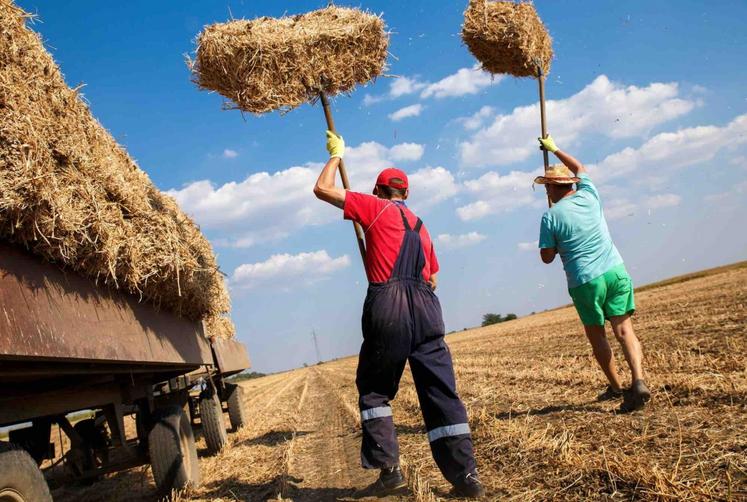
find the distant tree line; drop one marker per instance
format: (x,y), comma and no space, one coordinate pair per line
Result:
(489,319)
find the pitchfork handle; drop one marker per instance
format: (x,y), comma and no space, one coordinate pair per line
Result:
(543,119)
(343,174)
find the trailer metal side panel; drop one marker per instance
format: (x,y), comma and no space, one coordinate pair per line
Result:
(230,355)
(46,313)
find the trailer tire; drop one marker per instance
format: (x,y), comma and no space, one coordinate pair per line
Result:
(173,455)
(238,414)
(213,425)
(20,477)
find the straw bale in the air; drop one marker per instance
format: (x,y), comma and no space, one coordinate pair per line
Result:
(507,37)
(271,64)
(70,194)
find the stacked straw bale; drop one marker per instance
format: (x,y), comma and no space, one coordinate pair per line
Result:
(271,64)
(507,37)
(70,194)
(220,327)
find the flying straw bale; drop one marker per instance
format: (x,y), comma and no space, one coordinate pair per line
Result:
(70,194)
(269,64)
(507,37)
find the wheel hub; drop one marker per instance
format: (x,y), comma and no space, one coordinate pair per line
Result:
(10,495)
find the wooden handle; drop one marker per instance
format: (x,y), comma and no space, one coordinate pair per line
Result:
(543,120)
(343,174)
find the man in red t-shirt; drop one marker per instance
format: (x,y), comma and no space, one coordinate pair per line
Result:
(402,321)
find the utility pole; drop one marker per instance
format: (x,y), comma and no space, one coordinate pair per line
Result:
(316,346)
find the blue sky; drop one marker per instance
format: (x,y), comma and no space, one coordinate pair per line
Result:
(651,95)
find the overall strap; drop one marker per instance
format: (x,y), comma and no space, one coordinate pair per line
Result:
(404,220)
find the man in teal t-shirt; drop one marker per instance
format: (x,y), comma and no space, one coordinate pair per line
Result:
(575,228)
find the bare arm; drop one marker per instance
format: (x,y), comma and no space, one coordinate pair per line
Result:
(548,254)
(325,188)
(570,162)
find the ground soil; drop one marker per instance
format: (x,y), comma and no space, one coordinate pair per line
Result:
(529,386)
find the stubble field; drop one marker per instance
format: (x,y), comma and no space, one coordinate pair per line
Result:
(529,386)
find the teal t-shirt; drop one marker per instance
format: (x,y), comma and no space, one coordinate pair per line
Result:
(577,228)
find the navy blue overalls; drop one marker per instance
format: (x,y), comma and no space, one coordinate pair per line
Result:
(402,321)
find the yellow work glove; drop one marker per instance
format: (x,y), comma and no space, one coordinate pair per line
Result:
(548,144)
(335,145)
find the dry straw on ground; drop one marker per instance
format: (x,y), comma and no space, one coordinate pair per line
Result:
(71,194)
(507,37)
(271,64)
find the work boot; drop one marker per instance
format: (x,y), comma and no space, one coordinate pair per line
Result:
(635,397)
(469,487)
(390,481)
(610,394)
(391,478)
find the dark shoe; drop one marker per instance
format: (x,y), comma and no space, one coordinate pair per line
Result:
(609,394)
(469,487)
(635,397)
(390,481)
(391,478)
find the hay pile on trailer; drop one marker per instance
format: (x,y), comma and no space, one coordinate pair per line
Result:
(271,64)
(507,37)
(70,194)
(220,327)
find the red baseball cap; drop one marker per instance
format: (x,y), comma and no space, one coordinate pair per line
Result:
(392,177)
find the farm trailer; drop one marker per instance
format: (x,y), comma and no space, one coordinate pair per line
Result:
(67,345)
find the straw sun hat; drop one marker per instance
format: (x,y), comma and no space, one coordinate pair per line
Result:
(557,174)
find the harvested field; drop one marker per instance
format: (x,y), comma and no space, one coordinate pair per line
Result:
(529,386)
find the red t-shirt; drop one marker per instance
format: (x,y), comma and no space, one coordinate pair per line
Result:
(382,224)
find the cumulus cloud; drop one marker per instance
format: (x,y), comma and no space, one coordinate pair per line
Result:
(619,208)
(496,193)
(476,120)
(250,212)
(449,241)
(430,186)
(464,81)
(673,150)
(230,154)
(602,107)
(400,86)
(286,269)
(528,246)
(406,151)
(406,112)
(662,200)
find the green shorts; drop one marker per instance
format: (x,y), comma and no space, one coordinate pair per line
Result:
(610,294)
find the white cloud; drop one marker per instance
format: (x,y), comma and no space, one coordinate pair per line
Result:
(449,241)
(496,193)
(250,212)
(619,208)
(528,246)
(230,154)
(663,200)
(286,269)
(464,81)
(402,86)
(406,112)
(602,107)
(476,120)
(431,185)
(406,151)
(673,150)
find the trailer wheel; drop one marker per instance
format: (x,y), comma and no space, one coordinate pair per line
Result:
(20,477)
(173,455)
(237,412)
(213,425)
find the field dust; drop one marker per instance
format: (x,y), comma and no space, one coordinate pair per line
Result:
(529,386)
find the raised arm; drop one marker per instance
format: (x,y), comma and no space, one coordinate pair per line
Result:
(325,188)
(570,162)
